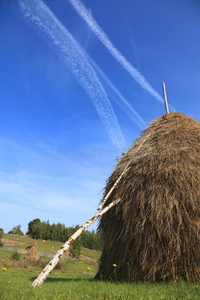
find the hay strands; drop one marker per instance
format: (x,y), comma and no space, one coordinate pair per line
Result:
(47,270)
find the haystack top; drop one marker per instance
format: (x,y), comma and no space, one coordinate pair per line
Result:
(171,134)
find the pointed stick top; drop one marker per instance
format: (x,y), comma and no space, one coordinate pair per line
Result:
(165,98)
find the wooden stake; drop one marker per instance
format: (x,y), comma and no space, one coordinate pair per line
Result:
(47,270)
(165,98)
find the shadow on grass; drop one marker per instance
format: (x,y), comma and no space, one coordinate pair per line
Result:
(52,279)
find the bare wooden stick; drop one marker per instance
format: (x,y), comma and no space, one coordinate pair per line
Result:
(47,270)
(165,98)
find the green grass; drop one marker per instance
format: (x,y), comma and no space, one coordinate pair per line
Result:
(77,283)
(5,254)
(13,237)
(91,253)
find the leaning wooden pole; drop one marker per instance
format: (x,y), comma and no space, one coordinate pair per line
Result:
(112,188)
(47,270)
(165,98)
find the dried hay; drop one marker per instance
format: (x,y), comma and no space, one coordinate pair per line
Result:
(32,254)
(33,244)
(11,243)
(153,234)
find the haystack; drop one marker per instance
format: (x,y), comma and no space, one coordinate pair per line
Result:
(32,254)
(33,244)
(153,234)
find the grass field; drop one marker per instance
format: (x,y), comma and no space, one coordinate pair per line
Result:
(77,283)
(73,280)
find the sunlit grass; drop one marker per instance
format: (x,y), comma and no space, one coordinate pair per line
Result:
(74,280)
(77,283)
(95,254)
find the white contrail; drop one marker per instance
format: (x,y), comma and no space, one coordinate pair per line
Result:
(82,11)
(123,104)
(45,22)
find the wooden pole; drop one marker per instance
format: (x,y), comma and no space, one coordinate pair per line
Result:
(47,270)
(112,188)
(165,98)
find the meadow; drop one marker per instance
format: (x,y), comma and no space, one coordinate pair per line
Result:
(74,280)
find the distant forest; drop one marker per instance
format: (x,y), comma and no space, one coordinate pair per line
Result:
(58,232)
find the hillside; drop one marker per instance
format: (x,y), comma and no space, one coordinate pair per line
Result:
(21,242)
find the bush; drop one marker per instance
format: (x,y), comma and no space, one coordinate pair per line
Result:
(15,255)
(60,267)
(75,249)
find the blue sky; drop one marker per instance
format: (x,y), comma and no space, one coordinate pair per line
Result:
(79,80)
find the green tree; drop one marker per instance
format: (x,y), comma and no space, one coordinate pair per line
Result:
(54,234)
(41,230)
(87,240)
(60,228)
(47,234)
(1,236)
(91,240)
(31,224)
(98,244)
(36,232)
(17,230)
(75,249)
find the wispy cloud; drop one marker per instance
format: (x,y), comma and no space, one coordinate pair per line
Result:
(32,184)
(83,12)
(48,26)
(26,196)
(41,191)
(120,100)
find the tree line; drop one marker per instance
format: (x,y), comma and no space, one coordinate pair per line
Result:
(1,236)
(58,232)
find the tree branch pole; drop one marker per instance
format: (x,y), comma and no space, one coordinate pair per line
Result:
(165,98)
(47,270)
